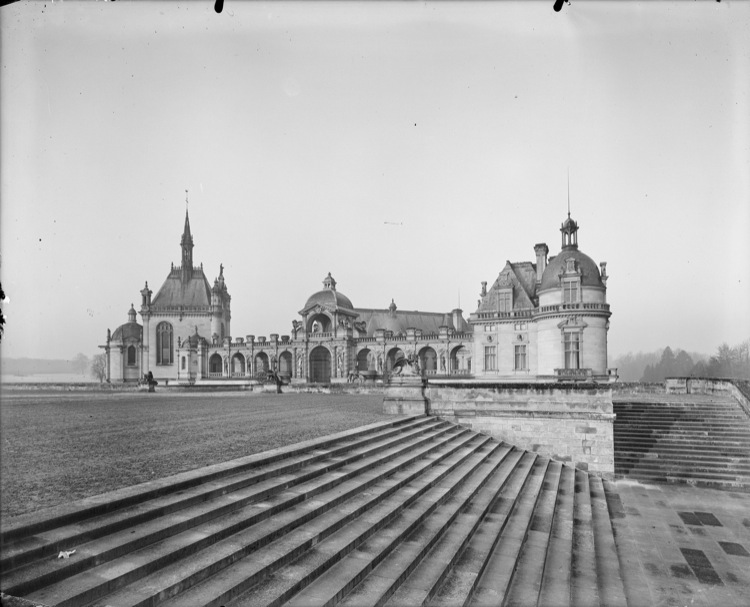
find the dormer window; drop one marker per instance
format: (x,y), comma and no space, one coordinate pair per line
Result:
(505,300)
(571,290)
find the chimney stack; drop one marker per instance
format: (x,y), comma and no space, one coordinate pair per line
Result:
(541,251)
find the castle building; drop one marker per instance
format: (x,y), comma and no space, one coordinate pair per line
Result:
(539,321)
(546,320)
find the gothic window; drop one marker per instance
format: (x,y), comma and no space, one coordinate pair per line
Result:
(183,363)
(572,343)
(520,357)
(131,356)
(490,358)
(164,344)
(571,291)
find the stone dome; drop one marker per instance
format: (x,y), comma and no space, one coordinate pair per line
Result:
(590,276)
(331,298)
(130,330)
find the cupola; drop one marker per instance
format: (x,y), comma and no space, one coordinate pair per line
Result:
(569,231)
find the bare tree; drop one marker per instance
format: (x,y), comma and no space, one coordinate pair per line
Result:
(99,367)
(81,363)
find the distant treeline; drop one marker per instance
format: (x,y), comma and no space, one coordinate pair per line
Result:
(654,367)
(30,366)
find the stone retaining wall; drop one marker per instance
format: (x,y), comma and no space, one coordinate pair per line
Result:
(572,423)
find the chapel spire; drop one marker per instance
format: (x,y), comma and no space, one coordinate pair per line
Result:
(187,246)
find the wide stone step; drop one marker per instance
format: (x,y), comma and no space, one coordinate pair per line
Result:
(688,422)
(696,481)
(527,581)
(684,444)
(33,523)
(734,427)
(401,566)
(555,588)
(460,583)
(676,439)
(50,542)
(251,581)
(660,458)
(33,575)
(213,545)
(608,568)
(413,575)
(497,575)
(686,473)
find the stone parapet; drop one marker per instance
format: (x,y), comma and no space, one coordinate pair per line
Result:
(707,385)
(569,423)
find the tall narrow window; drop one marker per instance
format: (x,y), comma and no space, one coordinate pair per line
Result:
(505,301)
(131,356)
(520,357)
(490,358)
(571,291)
(572,341)
(164,344)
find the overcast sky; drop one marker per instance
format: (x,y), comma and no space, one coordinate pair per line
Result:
(408,148)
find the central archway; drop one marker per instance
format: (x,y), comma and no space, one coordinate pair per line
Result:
(238,365)
(320,365)
(394,354)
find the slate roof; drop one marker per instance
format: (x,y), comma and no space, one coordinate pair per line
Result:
(521,277)
(130,330)
(590,276)
(398,322)
(194,292)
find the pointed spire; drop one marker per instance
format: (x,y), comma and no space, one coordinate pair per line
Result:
(187,246)
(569,227)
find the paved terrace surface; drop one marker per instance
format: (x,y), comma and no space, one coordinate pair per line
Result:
(691,546)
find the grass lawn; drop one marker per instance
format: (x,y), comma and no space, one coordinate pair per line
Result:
(62,446)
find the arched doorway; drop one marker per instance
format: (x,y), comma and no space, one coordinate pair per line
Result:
(238,365)
(364,358)
(215,365)
(320,365)
(428,360)
(285,364)
(261,364)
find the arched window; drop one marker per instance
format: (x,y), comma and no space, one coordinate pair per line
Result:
(164,344)
(131,356)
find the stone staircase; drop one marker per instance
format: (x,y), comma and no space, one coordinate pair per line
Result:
(410,511)
(699,440)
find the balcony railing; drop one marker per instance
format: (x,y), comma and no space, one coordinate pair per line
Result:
(574,374)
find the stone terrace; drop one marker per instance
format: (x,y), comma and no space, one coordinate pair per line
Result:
(412,510)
